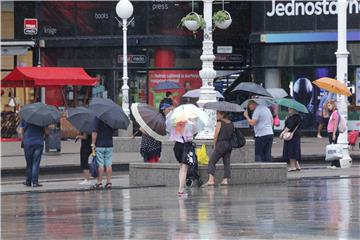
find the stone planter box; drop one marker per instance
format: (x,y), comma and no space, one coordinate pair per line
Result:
(166,174)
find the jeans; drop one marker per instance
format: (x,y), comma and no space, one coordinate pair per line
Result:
(33,155)
(263,147)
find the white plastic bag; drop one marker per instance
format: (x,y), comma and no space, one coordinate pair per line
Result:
(333,152)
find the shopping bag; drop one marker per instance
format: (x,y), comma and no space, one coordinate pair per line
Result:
(94,165)
(203,158)
(334,152)
(189,156)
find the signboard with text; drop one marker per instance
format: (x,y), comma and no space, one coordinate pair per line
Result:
(187,79)
(30,26)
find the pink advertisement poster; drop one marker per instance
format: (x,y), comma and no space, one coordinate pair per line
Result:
(187,79)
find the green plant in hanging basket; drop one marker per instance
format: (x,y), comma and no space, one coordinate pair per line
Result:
(222,19)
(221,16)
(192,17)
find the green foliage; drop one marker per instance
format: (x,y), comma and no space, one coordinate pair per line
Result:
(192,17)
(221,16)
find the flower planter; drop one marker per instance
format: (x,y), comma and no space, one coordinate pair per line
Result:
(224,25)
(191,25)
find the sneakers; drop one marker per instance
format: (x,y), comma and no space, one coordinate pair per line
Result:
(85,183)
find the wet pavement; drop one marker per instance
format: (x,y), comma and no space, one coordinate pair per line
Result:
(301,209)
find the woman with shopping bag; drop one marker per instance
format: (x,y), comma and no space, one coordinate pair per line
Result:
(333,128)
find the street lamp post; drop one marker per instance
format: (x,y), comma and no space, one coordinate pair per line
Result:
(342,75)
(207,73)
(124,9)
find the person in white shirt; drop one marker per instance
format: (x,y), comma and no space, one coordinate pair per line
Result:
(262,121)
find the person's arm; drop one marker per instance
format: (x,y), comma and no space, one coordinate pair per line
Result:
(252,122)
(83,136)
(336,124)
(93,139)
(217,131)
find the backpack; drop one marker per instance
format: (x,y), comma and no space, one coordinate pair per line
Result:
(238,140)
(342,124)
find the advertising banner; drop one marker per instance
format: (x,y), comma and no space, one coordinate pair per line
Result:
(187,79)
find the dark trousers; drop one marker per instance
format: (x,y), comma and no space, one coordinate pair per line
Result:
(335,163)
(223,151)
(33,155)
(263,147)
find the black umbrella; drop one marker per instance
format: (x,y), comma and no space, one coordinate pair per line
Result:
(223,106)
(166,85)
(40,114)
(150,120)
(110,113)
(251,89)
(81,118)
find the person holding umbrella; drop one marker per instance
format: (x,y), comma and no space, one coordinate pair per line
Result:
(35,117)
(262,121)
(82,119)
(183,123)
(109,116)
(222,139)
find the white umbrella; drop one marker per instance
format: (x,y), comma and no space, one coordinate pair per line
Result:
(277,92)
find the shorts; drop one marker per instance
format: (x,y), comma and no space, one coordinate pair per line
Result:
(104,156)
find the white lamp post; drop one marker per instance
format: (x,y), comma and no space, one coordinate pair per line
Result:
(342,75)
(207,73)
(124,9)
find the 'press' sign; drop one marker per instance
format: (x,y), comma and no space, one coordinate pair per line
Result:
(30,26)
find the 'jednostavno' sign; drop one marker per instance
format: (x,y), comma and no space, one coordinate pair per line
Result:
(294,8)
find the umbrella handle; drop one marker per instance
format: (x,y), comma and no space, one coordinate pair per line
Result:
(133,136)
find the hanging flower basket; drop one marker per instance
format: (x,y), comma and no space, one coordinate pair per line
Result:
(192,22)
(222,19)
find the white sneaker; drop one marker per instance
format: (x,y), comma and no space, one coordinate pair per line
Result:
(85,183)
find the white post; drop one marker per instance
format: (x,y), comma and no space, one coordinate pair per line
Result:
(207,73)
(342,75)
(125,86)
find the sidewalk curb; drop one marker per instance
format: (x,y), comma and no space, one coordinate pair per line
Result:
(58,169)
(75,190)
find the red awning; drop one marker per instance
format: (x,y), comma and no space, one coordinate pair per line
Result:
(47,76)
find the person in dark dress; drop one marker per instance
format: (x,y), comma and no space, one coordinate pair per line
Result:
(222,140)
(85,151)
(150,148)
(292,148)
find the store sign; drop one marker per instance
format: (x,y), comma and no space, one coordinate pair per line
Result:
(224,49)
(133,59)
(309,8)
(30,26)
(230,58)
(357,87)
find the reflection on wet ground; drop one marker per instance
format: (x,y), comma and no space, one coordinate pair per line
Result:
(304,209)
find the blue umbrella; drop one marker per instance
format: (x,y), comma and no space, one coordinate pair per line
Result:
(166,85)
(110,113)
(81,118)
(40,114)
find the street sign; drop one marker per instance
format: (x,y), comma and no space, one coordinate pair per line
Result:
(135,59)
(224,49)
(30,26)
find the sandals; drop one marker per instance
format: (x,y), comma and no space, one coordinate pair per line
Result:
(108,186)
(207,185)
(96,186)
(182,194)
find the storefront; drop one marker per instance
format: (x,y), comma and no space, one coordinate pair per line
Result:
(86,34)
(293,43)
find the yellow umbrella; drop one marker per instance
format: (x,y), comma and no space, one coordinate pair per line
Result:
(333,86)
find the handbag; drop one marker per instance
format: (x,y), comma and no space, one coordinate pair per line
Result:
(333,152)
(94,166)
(289,135)
(189,155)
(237,140)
